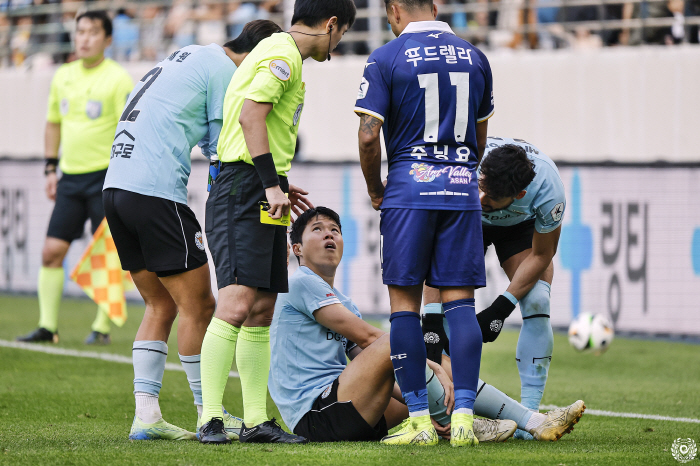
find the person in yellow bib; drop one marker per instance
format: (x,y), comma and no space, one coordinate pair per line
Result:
(262,109)
(86,100)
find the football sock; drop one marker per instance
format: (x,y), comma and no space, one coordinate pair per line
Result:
(102,323)
(149,364)
(436,398)
(534,351)
(253,362)
(432,308)
(191,364)
(492,403)
(218,349)
(408,357)
(50,290)
(535,420)
(465,351)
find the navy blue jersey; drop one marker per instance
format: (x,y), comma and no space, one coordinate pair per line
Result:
(430,88)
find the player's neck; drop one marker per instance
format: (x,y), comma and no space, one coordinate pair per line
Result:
(236,58)
(92,62)
(327,273)
(308,45)
(420,14)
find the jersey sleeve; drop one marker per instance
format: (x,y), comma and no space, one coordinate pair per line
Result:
(550,204)
(53,113)
(486,109)
(121,93)
(310,293)
(374,96)
(272,78)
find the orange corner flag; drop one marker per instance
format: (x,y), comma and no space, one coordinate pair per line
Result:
(99,273)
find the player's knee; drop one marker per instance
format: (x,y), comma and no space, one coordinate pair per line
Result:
(52,256)
(536,302)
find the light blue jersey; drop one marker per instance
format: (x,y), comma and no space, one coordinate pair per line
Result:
(545,200)
(306,356)
(176,105)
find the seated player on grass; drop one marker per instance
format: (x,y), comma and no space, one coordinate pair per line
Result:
(324,398)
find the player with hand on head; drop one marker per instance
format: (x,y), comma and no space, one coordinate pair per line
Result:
(176,105)
(326,399)
(431,92)
(523,203)
(262,110)
(87,97)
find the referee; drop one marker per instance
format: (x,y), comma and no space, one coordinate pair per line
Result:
(86,100)
(262,109)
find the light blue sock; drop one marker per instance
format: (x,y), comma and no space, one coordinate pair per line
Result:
(436,398)
(433,308)
(191,364)
(149,364)
(534,350)
(492,403)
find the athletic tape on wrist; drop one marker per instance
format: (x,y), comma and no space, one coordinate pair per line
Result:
(265,166)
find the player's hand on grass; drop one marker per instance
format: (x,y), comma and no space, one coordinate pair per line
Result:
(300,203)
(51,183)
(434,336)
(442,431)
(446,383)
(279,203)
(491,319)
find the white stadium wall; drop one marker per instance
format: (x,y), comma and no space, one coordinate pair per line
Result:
(630,245)
(624,104)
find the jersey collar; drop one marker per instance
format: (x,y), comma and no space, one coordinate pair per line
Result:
(427,26)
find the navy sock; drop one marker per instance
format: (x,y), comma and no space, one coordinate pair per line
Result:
(408,357)
(465,350)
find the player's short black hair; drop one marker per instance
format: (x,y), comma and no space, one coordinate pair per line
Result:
(300,223)
(506,171)
(312,12)
(252,34)
(411,4)
(99,15)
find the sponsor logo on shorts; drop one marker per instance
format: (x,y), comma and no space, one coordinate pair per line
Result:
(424,173)
(280,69)
(327,391)
(199,241)
(93,109)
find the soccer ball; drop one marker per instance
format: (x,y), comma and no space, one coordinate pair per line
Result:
(591,332)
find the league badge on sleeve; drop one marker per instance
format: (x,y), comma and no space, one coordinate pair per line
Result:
(364,87)
(64,106)
(93,109)
(557,212)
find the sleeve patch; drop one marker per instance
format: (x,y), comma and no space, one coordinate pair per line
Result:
(280,69)
(364,87)
(557,212)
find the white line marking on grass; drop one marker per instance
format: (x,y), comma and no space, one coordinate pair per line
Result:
(654,417)
(40,348)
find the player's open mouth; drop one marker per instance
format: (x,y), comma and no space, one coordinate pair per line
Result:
(330,245)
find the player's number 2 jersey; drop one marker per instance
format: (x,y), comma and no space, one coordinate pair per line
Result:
(430,89)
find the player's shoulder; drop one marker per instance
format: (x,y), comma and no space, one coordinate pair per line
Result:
(278,45)
(305,281)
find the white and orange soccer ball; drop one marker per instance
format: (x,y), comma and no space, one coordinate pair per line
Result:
(591,332)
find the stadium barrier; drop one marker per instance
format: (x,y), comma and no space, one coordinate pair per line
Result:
(630,244)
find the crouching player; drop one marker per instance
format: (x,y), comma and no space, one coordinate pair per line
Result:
(522,201)
(176,105)
(323,398)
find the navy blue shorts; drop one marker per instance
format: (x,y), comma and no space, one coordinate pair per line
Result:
(439,247)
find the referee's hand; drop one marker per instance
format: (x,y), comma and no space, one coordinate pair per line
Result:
(51,183)
(279,204)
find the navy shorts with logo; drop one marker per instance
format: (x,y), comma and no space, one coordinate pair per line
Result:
(438,247)
(152,233)
(78,198)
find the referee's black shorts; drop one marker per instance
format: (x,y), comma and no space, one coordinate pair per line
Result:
(510,240)
(152,233)
(245,251)
(78,198)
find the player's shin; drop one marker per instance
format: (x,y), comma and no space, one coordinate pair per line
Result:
(408,357)
(218,350)
(50,290)
(436,398)
(534,350)
(191,365)
(149,364)
(465,351)
(492,403)
(253,362)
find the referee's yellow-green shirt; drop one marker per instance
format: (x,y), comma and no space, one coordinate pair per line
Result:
(271,73)
(87,103)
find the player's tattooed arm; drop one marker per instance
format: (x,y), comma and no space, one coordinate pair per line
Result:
(371,157)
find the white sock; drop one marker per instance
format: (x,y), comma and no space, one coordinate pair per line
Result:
(535,420)
(200,408)
(147,407)
(464,411)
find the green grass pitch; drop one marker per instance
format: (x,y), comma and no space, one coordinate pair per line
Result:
(67,410)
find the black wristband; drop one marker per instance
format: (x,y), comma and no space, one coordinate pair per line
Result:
(51,161)
(265,166)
